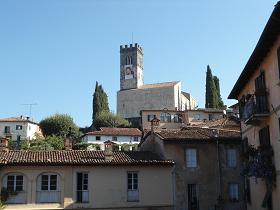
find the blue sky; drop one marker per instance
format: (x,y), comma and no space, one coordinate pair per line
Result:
(52,52)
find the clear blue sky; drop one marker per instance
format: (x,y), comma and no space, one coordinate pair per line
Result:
(53,51)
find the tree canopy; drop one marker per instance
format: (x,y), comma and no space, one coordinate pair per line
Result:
(59,125)
(100,101)
(108,119)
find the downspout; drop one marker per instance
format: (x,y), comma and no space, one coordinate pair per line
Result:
(174,186)
(219,199)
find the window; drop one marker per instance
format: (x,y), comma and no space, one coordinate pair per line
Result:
(165,117)
(132,186)
(278,56)
(151,117)
(18,127)
(197,117)
(231,158)
(264,137)
(97,138)
(115,138)
(48,188)
(7,129)
(233,192)
(18,137)
(261,96)
(82,187)
(49,182)
(191,158)
(177,118)
(135,138)
(15,183)
(193,197)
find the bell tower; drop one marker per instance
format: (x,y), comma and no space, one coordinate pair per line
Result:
(131,66)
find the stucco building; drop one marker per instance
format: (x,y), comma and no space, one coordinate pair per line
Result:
(18,128)
(208,166)
(120,136)
(135,96)
(258,92)
(75,179)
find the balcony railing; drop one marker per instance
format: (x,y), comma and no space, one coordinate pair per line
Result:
(255,109)
(48,196)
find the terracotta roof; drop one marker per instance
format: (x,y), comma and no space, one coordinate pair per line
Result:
(116,132)
(268,37)
(17,119)
(79,157)
(159,85)
(229,123)
(196,133)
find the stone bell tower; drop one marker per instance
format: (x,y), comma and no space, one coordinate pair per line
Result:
(131,67)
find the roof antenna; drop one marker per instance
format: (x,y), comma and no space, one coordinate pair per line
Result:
(30,107)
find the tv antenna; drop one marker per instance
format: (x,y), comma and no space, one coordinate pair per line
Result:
(30,107)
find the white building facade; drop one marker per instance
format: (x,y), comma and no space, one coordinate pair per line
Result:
(18,128)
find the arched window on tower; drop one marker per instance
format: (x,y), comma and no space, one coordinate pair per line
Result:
(130,59)
(278,55)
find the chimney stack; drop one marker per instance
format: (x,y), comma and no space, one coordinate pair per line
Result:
(108,151)
(4,144)
(68,143)
(154,124)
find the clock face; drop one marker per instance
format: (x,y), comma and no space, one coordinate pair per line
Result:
(128,72)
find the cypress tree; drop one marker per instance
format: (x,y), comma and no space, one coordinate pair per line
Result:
(100,101)
(210,99)
(220,103)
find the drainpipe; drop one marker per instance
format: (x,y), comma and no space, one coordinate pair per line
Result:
(174,186)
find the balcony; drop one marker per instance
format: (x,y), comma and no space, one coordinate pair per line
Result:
(255,109)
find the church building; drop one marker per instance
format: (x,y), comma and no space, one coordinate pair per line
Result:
(135,96)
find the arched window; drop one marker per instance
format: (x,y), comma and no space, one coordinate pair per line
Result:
(130,60)
(278,56)
(127,60)
(48,188)
(165,117)
(15,184)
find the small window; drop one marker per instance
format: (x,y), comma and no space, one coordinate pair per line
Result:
(18,127)
(151,117)
(115,138)
(191,158)
(7,129)
(233,192)
(165,117)
(97,138)
(132,186)
(231,158)
(15,183)
(264,136)
(135,138)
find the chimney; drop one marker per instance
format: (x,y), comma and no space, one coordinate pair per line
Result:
(68,143)
(4,144)
(154,124)
(108,151)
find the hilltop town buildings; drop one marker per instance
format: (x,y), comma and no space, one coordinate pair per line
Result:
(258,92)
(208,164)
(135,96)
(18,128)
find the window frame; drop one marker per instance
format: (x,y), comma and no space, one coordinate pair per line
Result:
(132,185)
(49,181)
(99,138)
(188,163)
(19,127)
(165,117)
(83,188)
(231,161)
(15,181)
(231,194)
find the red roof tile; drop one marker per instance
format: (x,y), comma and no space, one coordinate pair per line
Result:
(116,132)
(79,157)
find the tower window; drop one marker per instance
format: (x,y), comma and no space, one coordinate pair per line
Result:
(128,60)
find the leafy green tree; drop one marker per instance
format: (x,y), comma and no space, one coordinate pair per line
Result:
(59,125)
(220,103)
(100,101)
(108,119)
